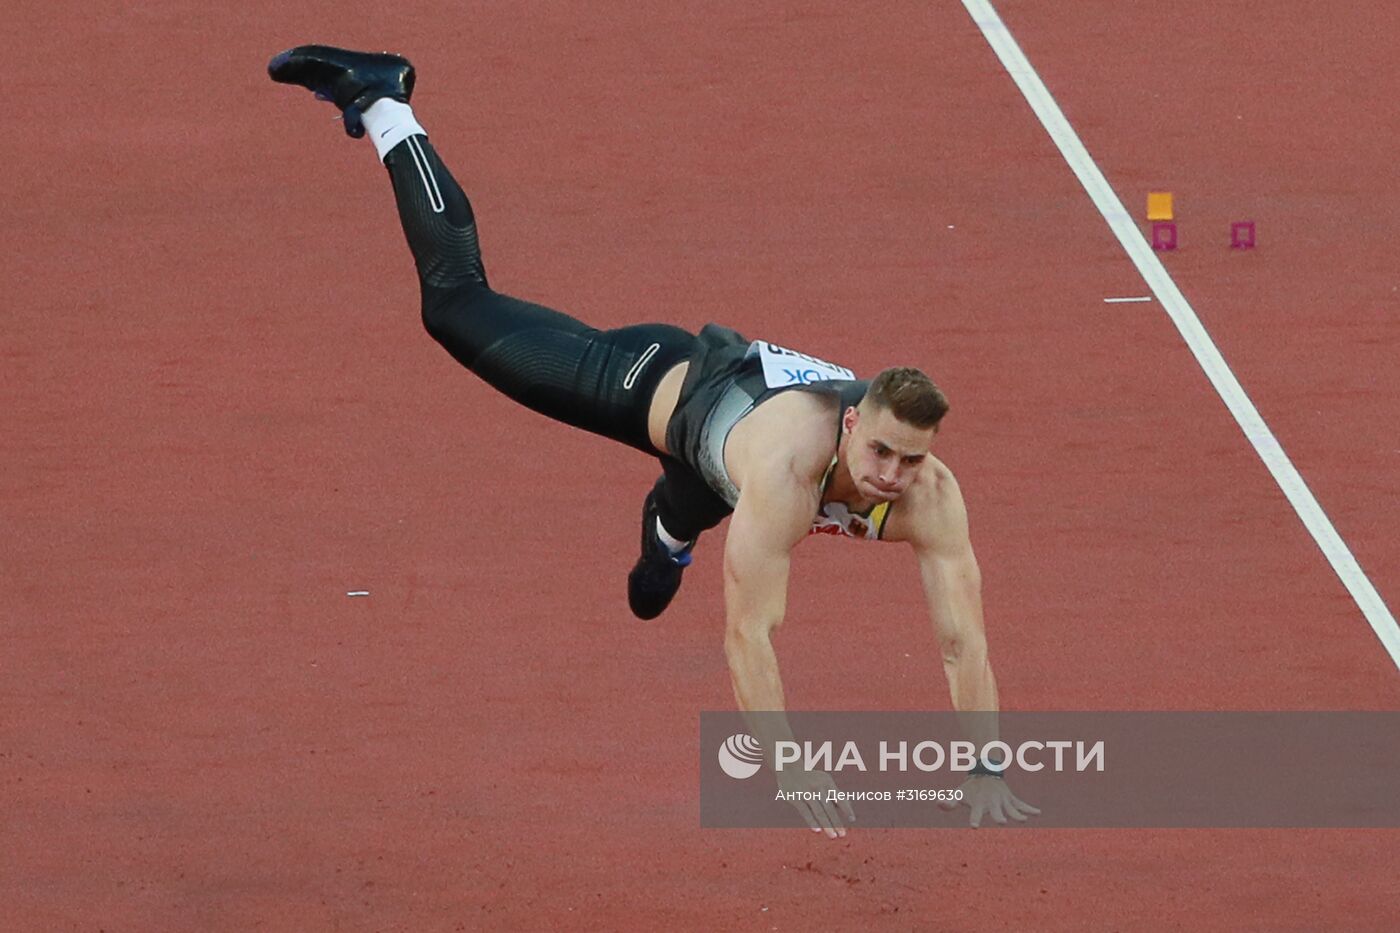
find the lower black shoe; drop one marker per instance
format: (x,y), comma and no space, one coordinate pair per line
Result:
(350,80)
(656,576)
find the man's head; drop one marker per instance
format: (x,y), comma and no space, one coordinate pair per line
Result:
(889,433)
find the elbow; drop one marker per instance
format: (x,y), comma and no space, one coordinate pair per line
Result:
(741,642)
(970,577)
(737,643)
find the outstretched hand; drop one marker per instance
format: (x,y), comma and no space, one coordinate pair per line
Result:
(989,796)
(810,793)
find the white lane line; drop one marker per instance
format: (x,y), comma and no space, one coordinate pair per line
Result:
(1194,333)
(1119,301)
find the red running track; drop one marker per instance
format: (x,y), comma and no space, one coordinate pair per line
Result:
(222,415)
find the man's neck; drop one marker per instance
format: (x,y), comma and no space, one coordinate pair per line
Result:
(841,488)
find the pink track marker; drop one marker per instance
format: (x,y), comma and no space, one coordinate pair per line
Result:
(1242,234)
(1163,236)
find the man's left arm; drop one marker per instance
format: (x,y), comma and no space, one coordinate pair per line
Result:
(952,585)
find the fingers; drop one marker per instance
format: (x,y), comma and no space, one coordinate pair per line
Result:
(830,821)
(846,809)
(1018,809)
(1004,805)
(821,817)
(818,805)
(1014,811)
(805,809)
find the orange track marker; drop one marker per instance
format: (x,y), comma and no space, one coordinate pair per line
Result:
(1159,206)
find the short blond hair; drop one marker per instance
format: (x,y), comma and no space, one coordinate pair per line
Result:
(909,395)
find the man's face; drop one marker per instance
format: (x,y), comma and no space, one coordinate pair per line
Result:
(884,454)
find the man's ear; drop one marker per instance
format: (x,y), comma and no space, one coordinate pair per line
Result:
(850,419)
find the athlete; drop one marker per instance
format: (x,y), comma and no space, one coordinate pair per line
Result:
(787,443)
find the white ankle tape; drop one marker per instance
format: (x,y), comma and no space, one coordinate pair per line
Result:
(673,544)
(388,123)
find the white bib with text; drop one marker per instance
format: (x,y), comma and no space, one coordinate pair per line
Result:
(783,367)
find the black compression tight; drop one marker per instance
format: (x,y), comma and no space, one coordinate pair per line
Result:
(599,380)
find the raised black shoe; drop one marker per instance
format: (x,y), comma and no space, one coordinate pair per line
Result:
(656,576)
(350,80)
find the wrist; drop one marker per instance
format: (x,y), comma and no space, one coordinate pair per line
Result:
(988,767)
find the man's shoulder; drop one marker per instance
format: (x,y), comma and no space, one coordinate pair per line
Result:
(793,432)
(931,511)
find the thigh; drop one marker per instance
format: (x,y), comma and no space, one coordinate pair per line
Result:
(601,381)
(598,380)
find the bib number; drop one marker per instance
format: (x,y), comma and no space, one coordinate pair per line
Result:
(783,367)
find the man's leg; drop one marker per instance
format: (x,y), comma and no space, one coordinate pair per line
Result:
(599,380)
(602,381)
(679,507)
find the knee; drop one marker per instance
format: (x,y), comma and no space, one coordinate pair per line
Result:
(685,504)
(447,313)
(437,320)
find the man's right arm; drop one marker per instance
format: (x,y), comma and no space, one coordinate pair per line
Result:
(773,514)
